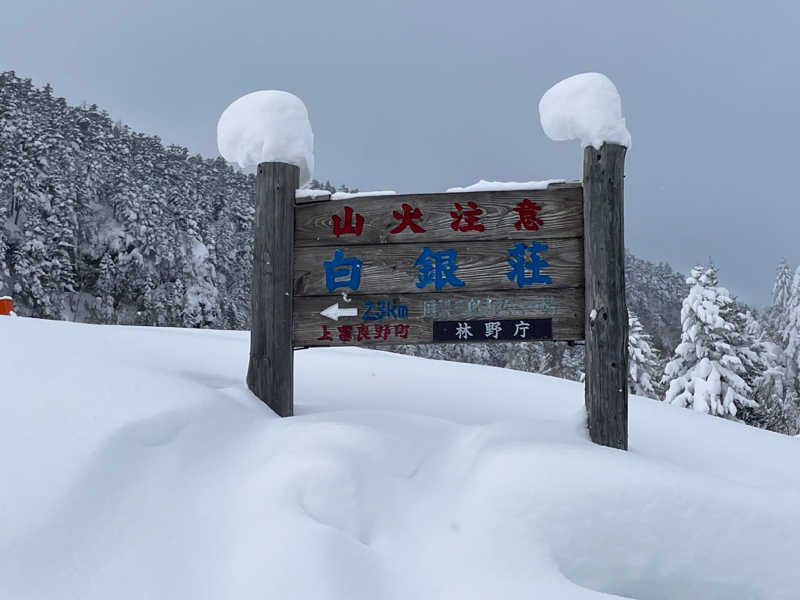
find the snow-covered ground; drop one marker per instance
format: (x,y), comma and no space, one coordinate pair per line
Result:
(135,464)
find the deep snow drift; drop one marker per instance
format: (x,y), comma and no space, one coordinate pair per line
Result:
(135,464)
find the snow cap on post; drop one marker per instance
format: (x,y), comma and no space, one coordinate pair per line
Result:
(586,107)
(267,126)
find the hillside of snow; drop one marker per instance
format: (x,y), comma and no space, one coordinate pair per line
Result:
(135,464)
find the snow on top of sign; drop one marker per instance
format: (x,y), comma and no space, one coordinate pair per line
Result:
(341,195)
(311,193)
(496,186)
(157,455)
(6,298)
(348,195)
(586,107)
(269,125)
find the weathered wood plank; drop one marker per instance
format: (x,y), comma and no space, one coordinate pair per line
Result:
(560,212)
(392,270)
(270,372)
(606,334)
(563,306)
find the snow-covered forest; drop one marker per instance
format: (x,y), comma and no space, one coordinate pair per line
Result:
(101,224)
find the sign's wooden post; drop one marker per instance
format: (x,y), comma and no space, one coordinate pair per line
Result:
(606,310)
(270,372)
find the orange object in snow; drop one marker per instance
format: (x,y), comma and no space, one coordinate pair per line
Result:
(6,305)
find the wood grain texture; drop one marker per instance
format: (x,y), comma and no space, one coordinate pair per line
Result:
(390,269)
(565,306)
(561,214)
(607,334)
(270,371)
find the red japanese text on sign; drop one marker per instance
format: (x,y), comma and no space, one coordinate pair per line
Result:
(382,331)
(347,225)
(528,218)
(365,333)
(469,216)
(407,218)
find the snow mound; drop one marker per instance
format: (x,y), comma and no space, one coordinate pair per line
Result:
(267,126)
(137,465)
(586,107)
(497,186)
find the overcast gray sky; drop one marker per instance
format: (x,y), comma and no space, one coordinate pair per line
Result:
(421,96)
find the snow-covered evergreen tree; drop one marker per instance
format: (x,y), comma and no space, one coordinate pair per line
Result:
(655,293)
(643,363)
(790,334)
(708,370)
(754,350)
(765,363)
(103,310)
(781,295)
(782,289)
(778,403)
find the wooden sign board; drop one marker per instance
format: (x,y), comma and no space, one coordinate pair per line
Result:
(471,267)
(440,268)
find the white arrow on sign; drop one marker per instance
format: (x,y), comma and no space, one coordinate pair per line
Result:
(334,312)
